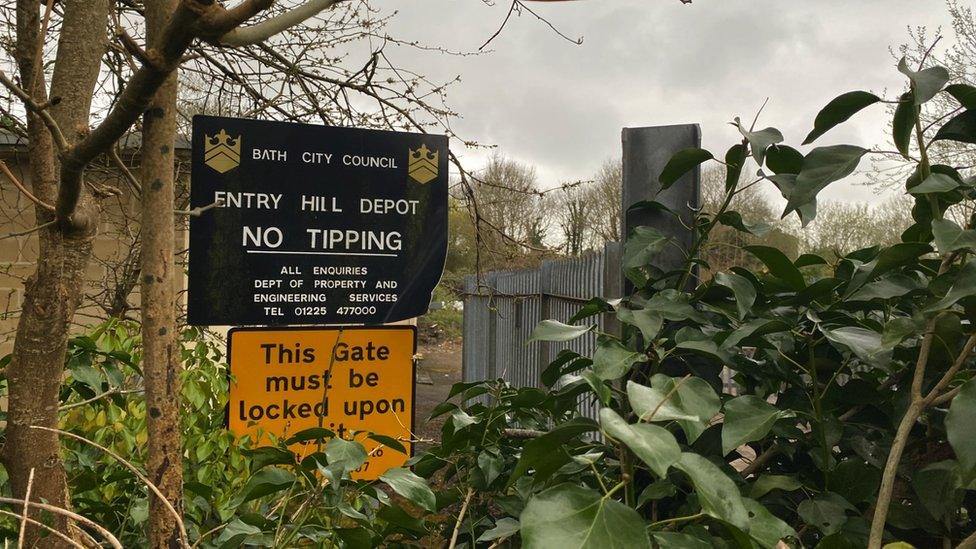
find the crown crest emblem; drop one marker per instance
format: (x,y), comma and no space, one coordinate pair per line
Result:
(222,152)
(422,164)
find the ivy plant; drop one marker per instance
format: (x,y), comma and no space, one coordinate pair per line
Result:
(851,420)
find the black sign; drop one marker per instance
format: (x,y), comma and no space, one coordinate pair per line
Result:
(315,225)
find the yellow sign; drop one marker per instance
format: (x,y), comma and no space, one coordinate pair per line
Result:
(422,166)
(222,152)
(349,380)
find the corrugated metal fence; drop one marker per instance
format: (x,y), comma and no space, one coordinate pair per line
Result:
(502,308)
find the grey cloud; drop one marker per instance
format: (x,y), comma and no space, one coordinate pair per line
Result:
(560,107)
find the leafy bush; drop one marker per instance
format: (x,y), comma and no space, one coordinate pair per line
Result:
(851,423)
(235,495)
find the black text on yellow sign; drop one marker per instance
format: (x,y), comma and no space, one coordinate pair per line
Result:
(348,380)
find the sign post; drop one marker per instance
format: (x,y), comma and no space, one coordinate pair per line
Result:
(352,381)
(314,224)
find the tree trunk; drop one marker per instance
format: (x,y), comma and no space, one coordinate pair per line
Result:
(54,290)
(161,353)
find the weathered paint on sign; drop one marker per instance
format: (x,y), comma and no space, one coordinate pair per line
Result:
(348,380)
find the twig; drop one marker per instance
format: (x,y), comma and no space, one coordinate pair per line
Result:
(460,519)
(44,526)
(17,183)
(29,231)
(184,539)
(760,460)
(523,433)
(32,105)
(112,540)
(23,521)
(928,52)
(756,118)
(196,212)
(110,392)
(126,172)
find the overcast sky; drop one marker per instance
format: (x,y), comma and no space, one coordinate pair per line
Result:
(560,107)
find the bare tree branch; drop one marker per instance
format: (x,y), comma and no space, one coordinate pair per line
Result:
(254,34)
(34,107)
(13,179)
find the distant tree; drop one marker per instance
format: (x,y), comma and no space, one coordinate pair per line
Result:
(573,210)
(841,228)
(509,214)
(604,196)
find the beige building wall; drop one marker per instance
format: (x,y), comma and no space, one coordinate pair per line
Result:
(112,274)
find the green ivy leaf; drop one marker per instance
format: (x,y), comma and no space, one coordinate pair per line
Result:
(612,360)
(745,293)
(939,488)
(964,94)
(889,287)
(642,245)
(748,418)
(410,486)
(717,493)
(826,512)
(659,489)
(681,163)
(735,160)
(823,166)
(950,237)
(786,183)
(964,286)
(765,483)
(504,527)
(236,533)
(734,220)
(935,183)
(960,128)
(690,401)
(757,327)
(897,329)
(926,82)
(491,464)
(388,441)
(652,444)
(855,480)
(349,453)
(783,159)
(839,110)
(597,384)
(760,140)
(571,517)
(765,527)
(545,455)
(645,400)
(648,320)
(959,428)
(678,540)
(903,123)
(553,330)
(266,481)
(779,265)
(864,343)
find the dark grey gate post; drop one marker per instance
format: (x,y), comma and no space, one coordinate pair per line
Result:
(646,152)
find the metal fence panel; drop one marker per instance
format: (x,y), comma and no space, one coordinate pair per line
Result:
(502,308)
